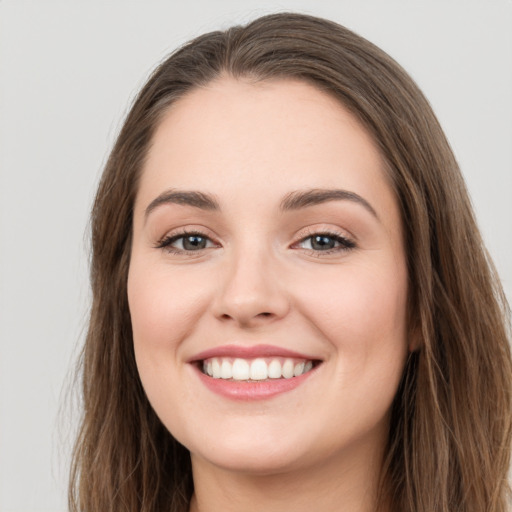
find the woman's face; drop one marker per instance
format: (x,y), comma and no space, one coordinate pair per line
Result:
(267,283)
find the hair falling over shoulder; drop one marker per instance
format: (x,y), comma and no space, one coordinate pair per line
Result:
(450,436)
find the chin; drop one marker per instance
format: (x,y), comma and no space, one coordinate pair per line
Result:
(255,460)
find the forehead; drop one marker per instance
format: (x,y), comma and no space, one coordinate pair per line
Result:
(255,141)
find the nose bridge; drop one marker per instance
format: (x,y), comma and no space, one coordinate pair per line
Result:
(251,292)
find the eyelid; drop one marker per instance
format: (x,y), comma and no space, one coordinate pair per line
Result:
(347,241)
(170,237)
(324,230)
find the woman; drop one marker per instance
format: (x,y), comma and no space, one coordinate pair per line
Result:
(292,305)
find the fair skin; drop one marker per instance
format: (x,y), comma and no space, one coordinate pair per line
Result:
(242,272)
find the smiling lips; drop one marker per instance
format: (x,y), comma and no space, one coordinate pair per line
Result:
(251,373)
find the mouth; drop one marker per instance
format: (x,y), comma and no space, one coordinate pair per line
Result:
(253,373)
(256,369)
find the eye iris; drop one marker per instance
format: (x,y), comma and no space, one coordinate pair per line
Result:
(194,242)
(322,242)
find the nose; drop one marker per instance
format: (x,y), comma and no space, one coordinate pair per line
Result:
(250,293)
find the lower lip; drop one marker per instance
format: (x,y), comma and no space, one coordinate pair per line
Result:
(258,390)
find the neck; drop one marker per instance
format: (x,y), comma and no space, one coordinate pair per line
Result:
(332,486)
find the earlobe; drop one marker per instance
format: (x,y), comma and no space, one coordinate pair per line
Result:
(414,346)
(415,338)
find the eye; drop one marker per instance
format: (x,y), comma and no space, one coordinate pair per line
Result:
(185,242)
(326,243)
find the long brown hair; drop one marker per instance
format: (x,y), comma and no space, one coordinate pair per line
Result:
(450,434)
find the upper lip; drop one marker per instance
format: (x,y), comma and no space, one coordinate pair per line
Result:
(249,352)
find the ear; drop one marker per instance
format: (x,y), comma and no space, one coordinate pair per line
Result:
(415,337)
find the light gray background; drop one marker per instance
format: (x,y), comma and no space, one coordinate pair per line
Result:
(68,71)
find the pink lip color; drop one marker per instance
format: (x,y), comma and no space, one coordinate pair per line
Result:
(243,390)
(249,352)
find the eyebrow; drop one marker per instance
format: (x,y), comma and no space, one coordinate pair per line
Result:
(295,200)
(189,198)
(304,198)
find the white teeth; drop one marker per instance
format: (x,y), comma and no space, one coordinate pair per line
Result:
(226,370)
(240,369)
(288,368)
(216,369)
(298,369)
(255,369)
(274,369)
(259,370)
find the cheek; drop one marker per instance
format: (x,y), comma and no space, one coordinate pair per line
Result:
(360,303)
(164,309)
(361,312)
(164,306)
(366,322)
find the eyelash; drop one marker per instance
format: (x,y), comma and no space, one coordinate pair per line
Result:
(345,244)
(167,241)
